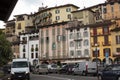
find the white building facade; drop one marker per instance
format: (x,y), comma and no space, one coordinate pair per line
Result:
(29,47)
(79,43)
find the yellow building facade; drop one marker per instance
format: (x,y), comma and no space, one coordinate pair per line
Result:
(101,41)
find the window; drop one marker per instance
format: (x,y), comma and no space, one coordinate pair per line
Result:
(64,38)
(86,52)
(79,53)
(32,48)
(85,34)
(42,33)
(59,38)
(96,53)
(69,16)
(42,40)
(57,11)
(63,30)
(79,43)
(86,43)
(118,39)
(24,48)
(105,30)
(53,31)
(47,31)
(53,46)
(78,35)
(106,52)
(118,50)
(57,17)
(104,10)
(95,31)
(24,55)
(32,55)
(71,36)
(95,40)
(36,49)
(112,9)
(58,31)
(71,53)
(71,44)
(36,55)
(19,25)
(68,10)
(106,40)
(47,39)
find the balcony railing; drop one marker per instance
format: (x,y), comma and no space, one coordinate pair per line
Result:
(23,42)
(99,34)
(63,57)
(106,43)
(93,44)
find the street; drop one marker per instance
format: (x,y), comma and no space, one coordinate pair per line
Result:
(61,77)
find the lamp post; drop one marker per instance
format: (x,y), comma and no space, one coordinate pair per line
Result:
(96,53)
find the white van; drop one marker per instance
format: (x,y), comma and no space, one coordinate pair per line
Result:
(20,69)
(86,67)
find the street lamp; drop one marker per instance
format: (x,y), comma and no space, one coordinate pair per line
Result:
(96,53)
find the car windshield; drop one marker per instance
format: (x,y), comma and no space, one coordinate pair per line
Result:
(20,64)
(43,66)
(54,66)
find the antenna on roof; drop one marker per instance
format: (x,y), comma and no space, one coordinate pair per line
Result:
(83,4)
(42,4)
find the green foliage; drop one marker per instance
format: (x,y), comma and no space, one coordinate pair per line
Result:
(5,50)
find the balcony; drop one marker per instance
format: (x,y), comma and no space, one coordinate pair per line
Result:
(23,42)
(99,34)
(106,43)
(93,44)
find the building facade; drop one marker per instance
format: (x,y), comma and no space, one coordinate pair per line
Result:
(53,42)
(29,47)
(78,42)
(46,16)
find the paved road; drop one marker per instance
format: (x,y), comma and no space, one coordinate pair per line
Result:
(61,77)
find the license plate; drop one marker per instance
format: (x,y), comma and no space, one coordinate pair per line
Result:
(19,76)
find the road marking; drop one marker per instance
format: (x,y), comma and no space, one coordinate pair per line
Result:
(56,77)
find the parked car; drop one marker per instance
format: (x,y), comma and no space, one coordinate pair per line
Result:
(20,69)
(111,72)
(53,68)
(68,68)
(85,68)
(41,69)
(7,68)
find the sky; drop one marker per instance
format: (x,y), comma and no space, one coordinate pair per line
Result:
(28,6)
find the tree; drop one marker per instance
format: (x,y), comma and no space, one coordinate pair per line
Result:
(5,50)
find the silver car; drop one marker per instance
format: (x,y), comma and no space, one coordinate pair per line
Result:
(53,68)
(41,69)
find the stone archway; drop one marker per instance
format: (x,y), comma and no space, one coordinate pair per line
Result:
(97,60)
(117,60)
(110,61)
